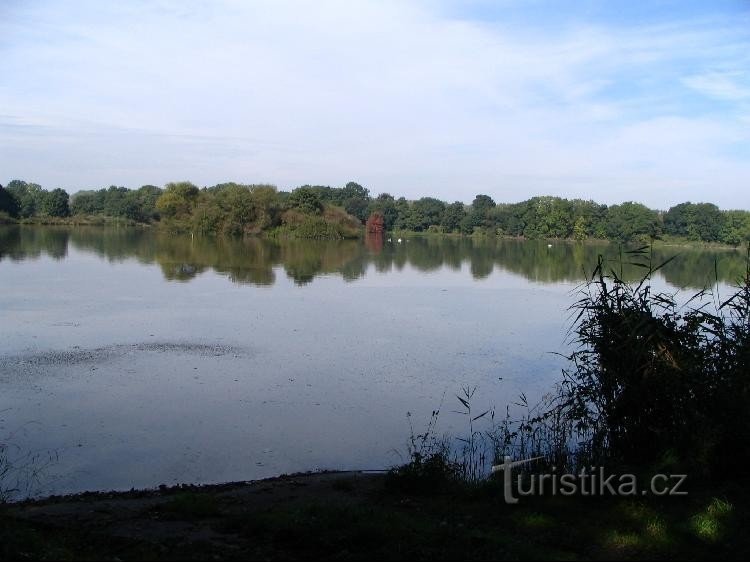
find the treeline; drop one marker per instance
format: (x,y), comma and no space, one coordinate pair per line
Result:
(315,211)
(23,199)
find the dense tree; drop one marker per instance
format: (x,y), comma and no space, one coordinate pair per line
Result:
(548,217)
(356,200)
(8,203)
(146,197)
(631,221)
(234,208)
(237,209)
(327,194)
(452,217)
(178,200)
(306,200)
(426,212)
(696,221)
(85,203)
(509,219)
(707,224)
(735,228)
(138,205)
(385,204)
(482,203)
(357,207)
(55,203)
(479,214)
(267,205)
(677,219)
(403,210)
(353,190)
(580,229)
(590,218)
(28,197)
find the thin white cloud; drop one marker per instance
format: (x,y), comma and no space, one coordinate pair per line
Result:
(732,86)
(395,95)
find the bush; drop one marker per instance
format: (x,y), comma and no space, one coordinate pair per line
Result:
(425,475)
(652,380)
(334,224)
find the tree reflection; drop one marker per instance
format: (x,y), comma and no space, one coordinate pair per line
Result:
(258,262)
(18,244)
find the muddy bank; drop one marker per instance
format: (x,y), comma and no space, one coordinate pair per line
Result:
(358,516)
(188,512)
(176,522)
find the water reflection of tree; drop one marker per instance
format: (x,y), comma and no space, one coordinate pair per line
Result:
(374,241)
(254,260)
(18,243)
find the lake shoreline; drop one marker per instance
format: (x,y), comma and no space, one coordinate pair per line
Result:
(107,221)
(353,515)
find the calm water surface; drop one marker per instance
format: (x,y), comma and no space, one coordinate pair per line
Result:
(137,358)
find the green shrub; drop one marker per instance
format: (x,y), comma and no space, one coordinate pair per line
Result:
(653,380)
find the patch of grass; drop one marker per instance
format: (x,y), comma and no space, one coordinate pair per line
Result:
(618,540)
(535,520)
(347,485)
(395,526)
(191,505)
(383,530)
(711,524)
(20,540)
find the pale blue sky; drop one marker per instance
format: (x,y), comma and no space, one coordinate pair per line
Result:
(612,101)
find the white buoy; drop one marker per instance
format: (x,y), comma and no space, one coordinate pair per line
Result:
(549,245)
(399,240)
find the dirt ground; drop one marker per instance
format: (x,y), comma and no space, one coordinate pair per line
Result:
(352,515)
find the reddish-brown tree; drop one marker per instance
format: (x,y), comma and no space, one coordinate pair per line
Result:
(375,224)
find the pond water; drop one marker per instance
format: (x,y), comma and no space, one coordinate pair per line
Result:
(132,358)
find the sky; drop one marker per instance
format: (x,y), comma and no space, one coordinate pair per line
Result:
(612,101)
